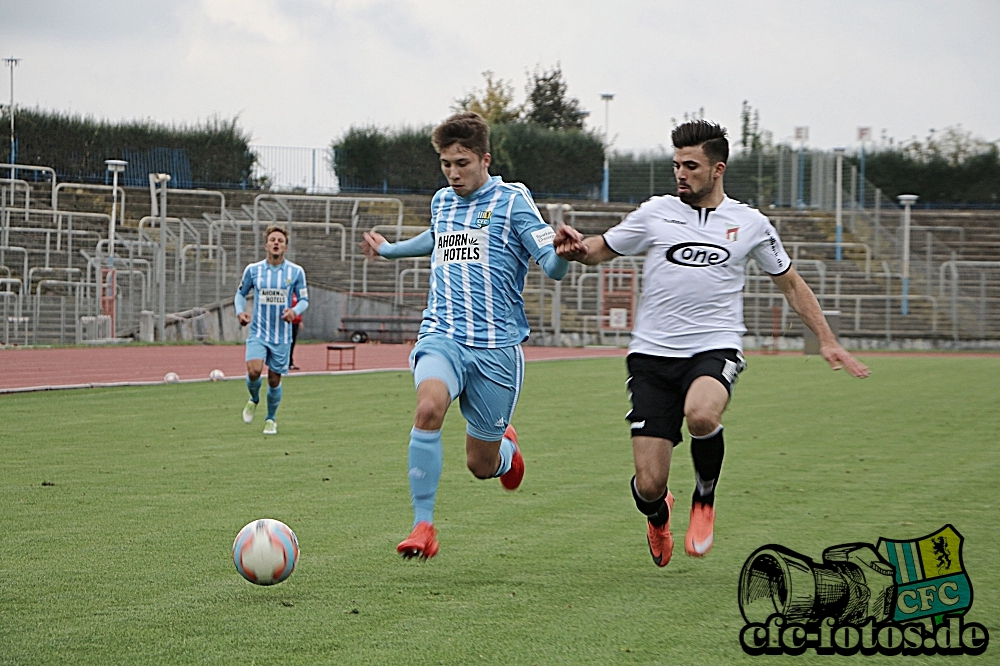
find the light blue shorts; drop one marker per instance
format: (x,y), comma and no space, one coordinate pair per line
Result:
(275,355)
(487,382)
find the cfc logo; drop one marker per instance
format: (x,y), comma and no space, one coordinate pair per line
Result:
(697,255)
(900,597)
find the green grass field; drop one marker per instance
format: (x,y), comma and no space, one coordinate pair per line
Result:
(126,558)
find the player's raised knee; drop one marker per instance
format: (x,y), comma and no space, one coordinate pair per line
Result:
(701,421)
(649,484)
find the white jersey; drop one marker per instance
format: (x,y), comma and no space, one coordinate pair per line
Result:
(694,272)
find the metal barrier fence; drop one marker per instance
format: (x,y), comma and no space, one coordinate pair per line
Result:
(56,275)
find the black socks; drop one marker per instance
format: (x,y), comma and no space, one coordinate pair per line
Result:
(707,453)
(656,511)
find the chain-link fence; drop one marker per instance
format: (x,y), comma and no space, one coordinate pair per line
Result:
(287,169)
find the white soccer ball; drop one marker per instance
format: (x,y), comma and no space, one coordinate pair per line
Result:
(216,375)
(266,551)
(171,378)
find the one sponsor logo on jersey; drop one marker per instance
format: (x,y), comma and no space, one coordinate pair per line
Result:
(544,236)
(500,423)
(273,296)
(462,247)
(731,233)
(483,218)
(697,255)
(670,221)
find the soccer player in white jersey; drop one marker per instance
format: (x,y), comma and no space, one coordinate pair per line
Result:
(273,282)
(483,234)
(686,349)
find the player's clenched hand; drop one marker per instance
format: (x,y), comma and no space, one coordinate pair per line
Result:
(288,315)
(838,358)
(371,243)
(243,318)
(569,243)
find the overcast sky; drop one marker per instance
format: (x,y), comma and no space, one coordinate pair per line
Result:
(300,72)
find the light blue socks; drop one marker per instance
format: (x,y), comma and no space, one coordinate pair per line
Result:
(425,461)
(273,400)
(254,387)
(506,456)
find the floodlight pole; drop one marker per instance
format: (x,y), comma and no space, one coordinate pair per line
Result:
(12,62)
(839,198)
(115,167)
(907,200)
(802,135)
(606,180)
(861,178)
(863,134)
(161,253)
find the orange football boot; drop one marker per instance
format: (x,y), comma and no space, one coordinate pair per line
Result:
(698,540)
(512,479)
(421,543)
(661,541)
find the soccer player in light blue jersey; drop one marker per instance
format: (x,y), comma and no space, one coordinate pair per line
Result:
(483,234)
(273,281)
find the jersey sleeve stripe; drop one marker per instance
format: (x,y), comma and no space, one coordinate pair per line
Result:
(609,246)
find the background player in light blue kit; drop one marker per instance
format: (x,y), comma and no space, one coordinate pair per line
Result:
(483,234)
(273,281)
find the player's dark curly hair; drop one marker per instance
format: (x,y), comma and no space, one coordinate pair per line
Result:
(712,137)
(469,130)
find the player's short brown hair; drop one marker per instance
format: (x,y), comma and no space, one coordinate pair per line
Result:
(469,130)
(712,138)
(271,228)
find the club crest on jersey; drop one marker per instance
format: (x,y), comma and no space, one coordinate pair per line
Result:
(483,218)
(697,255)
(731,233)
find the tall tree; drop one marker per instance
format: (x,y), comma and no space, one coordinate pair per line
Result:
(495,103)
(548,103)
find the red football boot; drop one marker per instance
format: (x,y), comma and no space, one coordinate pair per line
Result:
(421,543)
(512,479)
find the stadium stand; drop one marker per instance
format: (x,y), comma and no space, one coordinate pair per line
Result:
(54,269)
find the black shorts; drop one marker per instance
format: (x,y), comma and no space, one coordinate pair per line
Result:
(657,386)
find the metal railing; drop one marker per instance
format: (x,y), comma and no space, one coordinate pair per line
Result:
(53,264)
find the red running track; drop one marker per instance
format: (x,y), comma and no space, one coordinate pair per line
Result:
(78,367)
(27,369)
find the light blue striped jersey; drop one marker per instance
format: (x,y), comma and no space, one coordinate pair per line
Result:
(272,288)
(482,245)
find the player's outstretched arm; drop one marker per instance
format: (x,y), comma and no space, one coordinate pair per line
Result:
(375,245)
(803,301)
(591,251)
